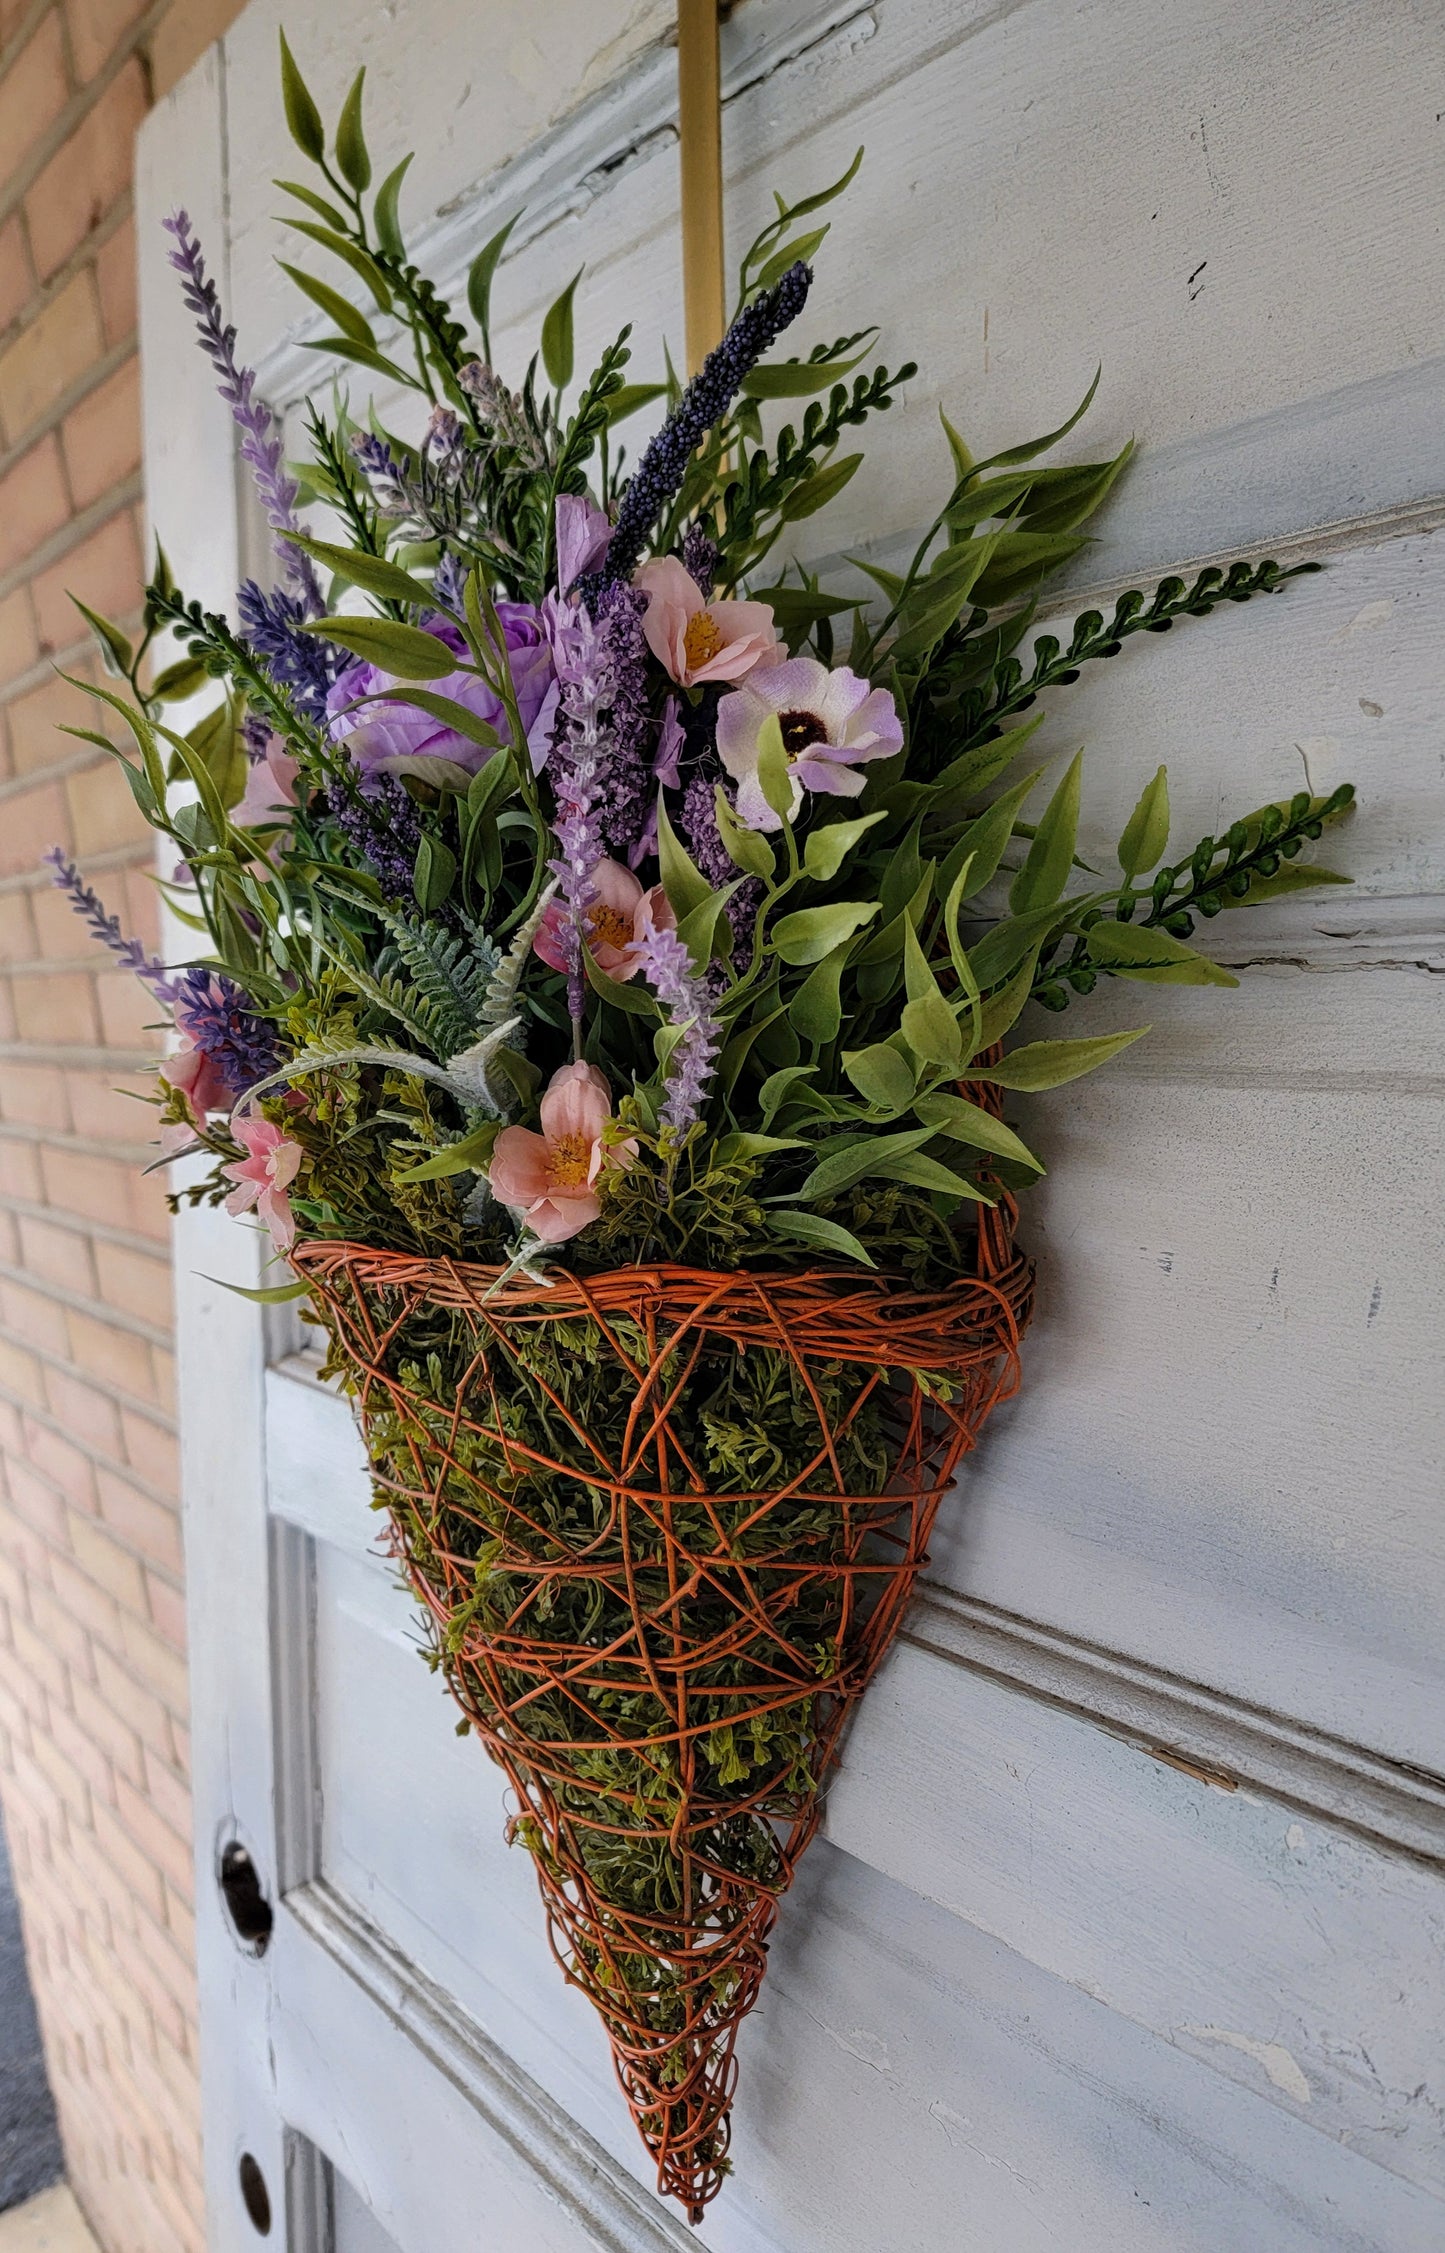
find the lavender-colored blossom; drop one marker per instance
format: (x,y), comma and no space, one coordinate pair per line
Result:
(579,757)
(624,657)
(213,1012)
(302,664)
(688,1000)
(449,581)
(699,558)
(383,828)
(663,466)
(390,738)
(106,928)
(713,860)
(261,446)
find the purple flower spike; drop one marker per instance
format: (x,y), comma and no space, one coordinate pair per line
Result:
(106,928)
(261,445)
(667,967)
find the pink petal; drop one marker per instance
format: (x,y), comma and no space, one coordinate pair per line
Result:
(555,1220)
(521,1166)
(578,1102)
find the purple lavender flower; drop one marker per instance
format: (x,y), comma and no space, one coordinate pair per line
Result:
(303,664)
(383,828)
(449,580)
(260,435)
(579,755)
(213,1013)
(687,998)
(714,861)
(660,472)
(623,652)
(699,558)
(106,928)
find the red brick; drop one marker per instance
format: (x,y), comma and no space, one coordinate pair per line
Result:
(112,1568)
(143,1523)
(102,436)
(20,1165)
(134,1706)
(80,183)
(57,1007)
(62,1630)
(168,1611)
(33,92)
(95,1187)
(33,501)
(86,1756)
(96,27)
(114,1354)
(17,928)
(109,1728)
(105,571)
(20,1372)
(90,1607)
(115,281)
(35,720)
(130,1016)
(151,1454)
(33,823)
(157,1662)
(36,1093)
(135,1281)
(97,1108)
(61,1255)
(65,1466)
(49,355)
(17,283)
(37,1502)
(91,1415)
(135,1873)
(19,642)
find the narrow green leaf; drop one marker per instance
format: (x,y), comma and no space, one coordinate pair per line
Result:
(775,774)
(479,280)
(811,932)
(366,356)
(818,1234)
(731,1147)
(802,247)
(1154,957)
(443,708)
(178,680)
(275,1294)
(747,848)
(816,491)
(983,843)
(1146,832)
(1020,561)
(115,649)
(1052,1063)
(336,307)
(817,1008)
(1045,872)
(797,379)
(351,254)
(1290,876)
(1002,1011)
(822,196)
(434,874)
(351,151)
(372,573)
(921,1172)
(468,1155)
(931,1031)
(963,1121)
(628,397)
(403,650)
(314,202)
(1001,950)
(881,1075)
(684,884)
(385,219)
(828,848)
(303,118)
(1037,446)
(634,1000)
(557,347)
(868,1155)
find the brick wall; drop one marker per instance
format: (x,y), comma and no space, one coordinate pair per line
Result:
(92,1666)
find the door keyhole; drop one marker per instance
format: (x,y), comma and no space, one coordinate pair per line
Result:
(246,1905)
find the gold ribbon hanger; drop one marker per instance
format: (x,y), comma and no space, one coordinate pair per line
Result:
(699,108)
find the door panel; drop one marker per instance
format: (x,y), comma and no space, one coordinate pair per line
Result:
(1126,1928)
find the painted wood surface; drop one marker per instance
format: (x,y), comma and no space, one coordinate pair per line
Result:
(1041,1984)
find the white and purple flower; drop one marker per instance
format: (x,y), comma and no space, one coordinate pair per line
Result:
(831,722)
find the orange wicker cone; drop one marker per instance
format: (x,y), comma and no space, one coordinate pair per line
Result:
(664,1679)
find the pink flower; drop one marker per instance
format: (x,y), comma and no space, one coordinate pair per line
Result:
(697,640)
(263,1177)
(831,723)
(200,1081)
(549,1178)
(617,916)
(270,788)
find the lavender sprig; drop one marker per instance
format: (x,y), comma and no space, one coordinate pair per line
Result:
(89,906)
(623,649)
(302,663)
(212,1011)
(659,474)
(713,860)
(667,967)
(383,828)
(261,445)
(578,755)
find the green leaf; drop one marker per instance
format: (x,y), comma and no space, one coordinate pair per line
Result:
(822,196)
(816,491)
(932,606)
(351,151)
(803,606)
(443,708)
(275,1294)
(747,848)
(388,225)
(628,397)
(1020,561)
(868,1155)
(700,929)
(1002,1011)
(797,379)
(963,1121)
(1045,872)
(337,308)
(351,254)
(802,247)
(469,1155)
(734,1146)
(366,356)
(557,352)
(1002,949)
(683,883)
(828,848)
(479,280)
(115,649)
(178,680)
(303,118)
(1037,446)
(434,874)
(1061,499)
(921,1172)
(1290,876)
(811,932)
(314,202)
(403,650)
(633,1000)
(931,1031)
(962,458)
(1146,832)
(983,843)
(881,1075)
(981,767)
(816,1010)
(372,573)
(1052,1063)
(818,1234)
(775,774)
(1131,951)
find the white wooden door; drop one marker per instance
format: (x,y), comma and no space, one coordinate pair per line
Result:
(1125,1933)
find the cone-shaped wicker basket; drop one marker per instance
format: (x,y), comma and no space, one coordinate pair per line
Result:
(661,1657)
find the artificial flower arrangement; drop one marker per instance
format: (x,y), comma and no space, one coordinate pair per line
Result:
(608,951)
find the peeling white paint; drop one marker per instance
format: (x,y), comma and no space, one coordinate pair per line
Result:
(1282,2069)
(1373,614)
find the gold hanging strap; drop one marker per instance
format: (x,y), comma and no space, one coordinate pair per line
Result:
(699,90)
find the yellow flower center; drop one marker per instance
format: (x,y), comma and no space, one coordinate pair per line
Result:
(609,926)
(571,1161)
(702,640)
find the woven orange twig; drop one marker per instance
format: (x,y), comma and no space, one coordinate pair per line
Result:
(704,1603)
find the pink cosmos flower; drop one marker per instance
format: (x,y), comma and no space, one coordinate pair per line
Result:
(263,1177)
(270,788)
(550,1178)
(617,916)
(831,723)
(200,1081)
(697,640)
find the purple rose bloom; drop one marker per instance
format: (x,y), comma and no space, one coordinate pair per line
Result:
(402,739)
